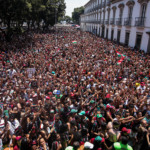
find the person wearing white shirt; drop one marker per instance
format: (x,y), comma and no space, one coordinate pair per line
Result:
(13,124)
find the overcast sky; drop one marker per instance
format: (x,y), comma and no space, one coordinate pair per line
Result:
(71,4)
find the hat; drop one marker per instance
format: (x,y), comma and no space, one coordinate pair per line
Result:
(73,111)
(98,138)
(142,83)
(35,95)
(110,107)
(51,111)
(99,116)
(92,101)
(50,93)
(137,84)
(72,94)
(53,72)
(30,99)
(88,145)
(91,79)
(125,130)
(108,96)
(69,148)
(82,113)
(18,138)
(47,97)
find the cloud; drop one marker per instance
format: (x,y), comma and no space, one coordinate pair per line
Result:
(71,4)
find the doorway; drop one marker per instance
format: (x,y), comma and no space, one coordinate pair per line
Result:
(107,34)
(127,38)
(103,31)
(148,47)
(112,35)
(118,36)
(138,41)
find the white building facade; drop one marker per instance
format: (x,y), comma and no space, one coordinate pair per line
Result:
(125,21)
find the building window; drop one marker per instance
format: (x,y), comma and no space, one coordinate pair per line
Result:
(118,36)
(108,15)
(130,12)
(121,13)
(114,13)
(138,41)
(127,38)
(143,11)
(107,34)
(112,35)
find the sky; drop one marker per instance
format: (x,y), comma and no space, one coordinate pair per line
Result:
(71,4)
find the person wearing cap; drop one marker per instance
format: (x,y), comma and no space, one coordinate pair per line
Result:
(88,146)
(76,146)
(47,100)
(51,119)
(141,88)
(125,131)
(83,116)
(98,142)
(73,111)
(73,114)
(97,122)
(122,145)
(84,119)
(110,111)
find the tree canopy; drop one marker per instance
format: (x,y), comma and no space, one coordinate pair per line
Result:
(14,13)
(76,14)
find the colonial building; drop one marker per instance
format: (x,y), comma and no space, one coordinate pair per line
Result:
(124,21)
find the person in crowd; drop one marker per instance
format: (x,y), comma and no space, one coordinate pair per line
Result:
(79,93)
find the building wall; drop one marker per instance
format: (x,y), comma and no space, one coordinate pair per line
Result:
(91,19)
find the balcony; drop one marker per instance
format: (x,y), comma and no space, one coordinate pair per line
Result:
(119,21)
(127,21)
(96,21)
(140,21)
(107,21)
(102,21)
(112,21)
(91,21)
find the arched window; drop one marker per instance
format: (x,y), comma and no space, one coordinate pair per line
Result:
(121,13)
(130,11)
(143,10)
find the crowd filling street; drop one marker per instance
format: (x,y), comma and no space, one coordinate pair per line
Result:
(72,90)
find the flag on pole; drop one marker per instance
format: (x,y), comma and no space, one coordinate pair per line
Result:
(120,61)
(74,42)
(122,57)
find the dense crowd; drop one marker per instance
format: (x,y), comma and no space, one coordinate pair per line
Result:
(71,90)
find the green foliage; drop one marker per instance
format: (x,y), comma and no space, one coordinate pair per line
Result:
(68,19)
(76,14)
(14,13)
